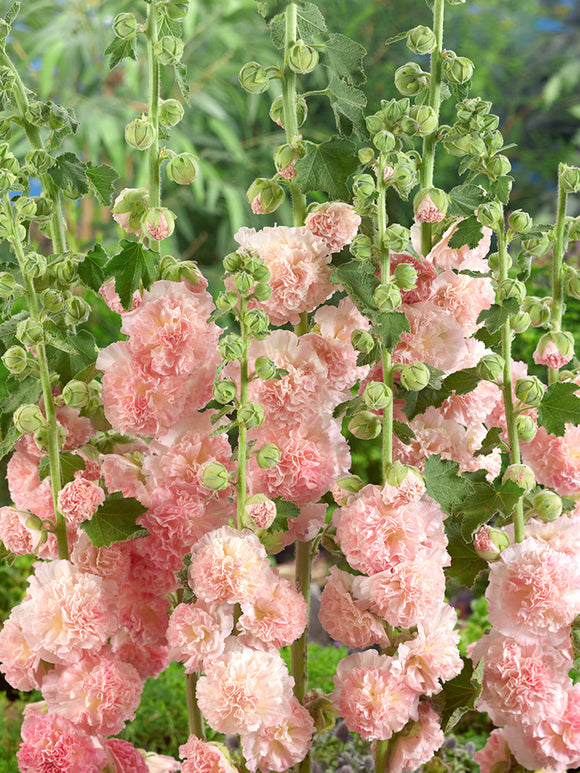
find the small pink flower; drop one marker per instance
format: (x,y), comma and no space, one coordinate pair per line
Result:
(52,743)
(494,752)
(256,206)
(428,211)
(80,499)
(262,514)
(124,757)
(15,534)
(335,223)
(417,747)
(202,757)
(276,617)
(21,665)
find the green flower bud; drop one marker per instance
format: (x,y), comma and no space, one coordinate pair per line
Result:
(397,237)
(169,50)
(125,26)
(362,341)
(265,368)
(511,288)
(411,80)
(538,309)
(256,267)
(405,276)
(377,396)
(490,542)
(140,134)
(41,437)
(375,123)
(404,176)
(224,391)
(497,166)
(560,340)
(387,297)
(232,262)
(361,247)
(384,141)
(302,59)
(536,245)
(573,224)
(262,291)
(397,472)
(521,475)
(8,284)
(366,156)
(415,376)
(177,9)
(44,210)
(28,418)
(8,160)
(457,69)
(170,112)
(277,111)
(530,391)
(253,78)
(457,145)
(569,178)
(226,300)
(345,487)
(158,223)
(520,221)
(421,40)
(430,205)
(490,213)
(243,282)
(471,106)
(183,168)
(37,113)
(491,367)
(426,119)
(76,394)
(182,271)
(77,310)
(364,186)
(526,428)
(265,196)
(34,265)
(215,477)
(268,456)
(15,359)
(257,323)
(573,284)
(322,711)
(5,126)
(25,207)
(251,415)
(520,322)
(29,332)
(393,110)
(547,505)
(231,347)
(65,271)
(365,425)
(51,300)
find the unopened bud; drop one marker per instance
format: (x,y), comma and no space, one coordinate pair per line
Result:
(8,284)
(29,332)
(34,265)
(362,341)
(521,475)
(232,262)
(397,237)
(285,156)
(76,394)
(361,247)
(140,134)
(569,178)
(497,166)
(169,50)
(529,391)
(365,425)
(489,542)
(536,245)
(345,487)
(490,213)
(262,291)
(257,323)
(457,69)
(183,168)
(253,78)
(231,347)
(41,436)
(15,359)
(520,221)
(125,26)
(547,505)
(430,205)
(397,472)
(170,112)
(51,300)
(259,511)
(509,289)
(421,40)
(243,282)
(377,396)
(226,300)
(405,276)
(554,349)
(404,176)
(268,456)
(129,208)
(28,418)
(158,223)
(265,368)
(322,710)
(520,322)
(177,9)
(387,297)
(366,156)
(77,310)
(38,161)
(364,186)
(375,123)
(415,376)
(224,391)
(411,80)
(215,477)
(251,415)
(256,267)
(265,196)
(65,271)
(493,261)
(526,428)
(277,111)
(426,119)
(25,206)
(491,367)
(182,271)
(384,141)
(538,310)
(302,58)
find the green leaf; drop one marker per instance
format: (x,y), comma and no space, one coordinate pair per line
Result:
(484,502)
(524,264)
(70,174)
(69,464)
(310,24)
(575,637)
(271,8)
(395,38)
(326,167)
(462,381)
(458,696)
(468,232)
(344,58)
(465,563)
(12,13)
(360,281)
(417,403)
(497,315)
(8,440)
(181,78)
(389,327)
(465,199)
(501,188)
(348,105)
(115,521)
(403,432)
(91,269)
(101,178)
(8,329)
(57,338)
(559,407)
(120,49)
(491,441)
(445,484)
(133,267)
(80,362)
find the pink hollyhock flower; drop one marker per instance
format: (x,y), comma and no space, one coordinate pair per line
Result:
(108,563)
(129,208)
(28,492)
(244,689)
(562,535)
(149,660)
(463,297)
(299,270)
(410,490)
(80,499)
(555,461)
(305,526)
(142,613)
(343,620)
(21,665)
(336,223)
(473,407)
(158,223)
(444,257)
(262,513)
(426,274)
(428,211)
(122,472)
(124,757)
(197,632)
(558,736)
(52,743)
(15,534)
(202,757)
(495,752)
(111,298)
(548,353)
(533,591)
(279,747)
(419,743)
(228,566)
(276,617)
(161,763)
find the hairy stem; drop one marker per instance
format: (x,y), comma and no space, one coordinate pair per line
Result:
(154,77)
(195,717)
(243,432)
(557,308)
(387,438)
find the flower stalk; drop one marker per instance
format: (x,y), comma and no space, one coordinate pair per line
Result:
(557,305)
(154,79)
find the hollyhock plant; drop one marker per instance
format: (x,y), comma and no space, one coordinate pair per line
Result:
(419,742)
(336,223)
(197,632)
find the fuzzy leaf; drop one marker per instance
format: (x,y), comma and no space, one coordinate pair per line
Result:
(501,188)
(468,232)
(458,696)
(70,174)
(115,521)
(497,315)
(344,58)
(133,267)
(69,464)
(575,637)
(445,484)
(8,328)
(57,338)
(91,269)
(80,361)
(348,104)
(465,199)
(101,178)
(8,441)
(484,502)
(181,78)
(403,432)
(491,441)
(389,327)
(120,49)
(271,8)
(417,403)
(360,282)
(395,38)
(559,407)
(310,24)
(326,167)
(465,563)
(462,381)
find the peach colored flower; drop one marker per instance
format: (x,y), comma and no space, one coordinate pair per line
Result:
(555,461)
(444,257)
(202,757)
(336,223)
(124,757)
(197,632)
(80,499)
(494,752)
(463,297)
(277,616)
(15,534)
(417,746)
(21,665)
(52,743)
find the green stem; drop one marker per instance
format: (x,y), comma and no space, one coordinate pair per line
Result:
(243,432)
(382,757)
(510,416)
(428,162)
(154,77)
(387,452)
(195,717)
(300,647)
(557,266)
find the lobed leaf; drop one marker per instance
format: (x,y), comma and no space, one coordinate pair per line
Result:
(115,521)
(559,407)
(133,267)
(326,167)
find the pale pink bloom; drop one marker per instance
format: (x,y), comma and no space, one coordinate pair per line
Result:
(387,174)
(124,757)
(78,428)
(558,736)
(160,227)
(533,591)
(289,172)
(555,461)
(473,407)
(336,223)
(414,748)
(202,757)
(279,747)
(343,620)
(463,297)
(299,270)
(526,749)
(263,514)
(563,534)
(435,338)
(146,571)
(149,660)
(135,206)
(111,298)
(80,499)
(426,274)
(428,211)
(444,257)
(66,612)
(277,616)
(244,689)
(197,632)
(122,472)
(28,492)
(108,562)
(410,490)
(21,664)
(143,613)
(305,526)
(522,683)
(15,534)
(161,763)
(228,566)
(495,751)
(51,743)
(551,356)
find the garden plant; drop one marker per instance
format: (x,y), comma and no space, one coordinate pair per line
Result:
(155,478)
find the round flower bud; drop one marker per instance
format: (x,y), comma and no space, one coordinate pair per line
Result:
(28,418)
(15,359)
(345,487)
(520,322)
(526,428)
(302,59)
(521,475)
(265,196)
(384,141)
(181,271)
(25,207)
(29,332)
(77,310)
(490,213)
(511,288)
(396,237)
(65,271)
(34,265)
(366,156)
(226,300)
(232,262)
(5,126)
(51,300)
(415,376)
(538,309)
(243,282)
(497,166)
(277,111)
(361,247)
(397,472)
(520,221)
(215,477)
(256,267)
(8,160)
(129,208)
(140,134)
(169,50)
(8,284)
(426,119)
(37,113)
(257,323)
(177,9)
(251,415)
(170,112)
(365,425)
(158,223)
(573,224)
(231,347)
(547,505)
(41,436)
(125,26)
(569,178)
(375,123)
(265,368)
(554,349)
(268,456)
(262,291)
(457,145)
(364,186)
(404,176)
(536,245)
(362,341)
(285,156)
(491,367)
(387,297)
(489,542)
(377,396)
(529,391)
(411,80)
(76,394)
(259,511)
(405,276)
(573,284)
(224,391)
(253,78)
(457,69)
(421,40)
(430,205)
(38,161)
